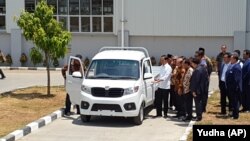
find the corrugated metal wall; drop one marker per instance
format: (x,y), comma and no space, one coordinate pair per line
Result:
(184,17)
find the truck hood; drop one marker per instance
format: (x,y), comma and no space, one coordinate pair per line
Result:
(109,83)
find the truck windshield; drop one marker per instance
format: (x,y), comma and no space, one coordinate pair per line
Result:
(113,69)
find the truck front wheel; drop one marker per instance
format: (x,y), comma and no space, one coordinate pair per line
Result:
(85,118)
(139,119)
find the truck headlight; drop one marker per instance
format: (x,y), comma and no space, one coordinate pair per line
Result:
(131,90)
(86,89)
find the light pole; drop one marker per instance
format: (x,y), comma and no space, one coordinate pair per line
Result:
(122,32)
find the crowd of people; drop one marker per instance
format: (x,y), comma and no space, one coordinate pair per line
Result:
(234,81)
(187,79)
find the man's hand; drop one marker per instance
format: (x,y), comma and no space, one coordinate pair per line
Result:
(194,94)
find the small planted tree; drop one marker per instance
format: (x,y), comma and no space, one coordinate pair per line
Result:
(35,56)
(46,33)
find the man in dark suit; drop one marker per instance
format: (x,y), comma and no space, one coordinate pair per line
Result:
(246,82)
(234,84)
(222,82)
(198,86)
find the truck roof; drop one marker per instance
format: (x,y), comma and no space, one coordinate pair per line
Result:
(120,54)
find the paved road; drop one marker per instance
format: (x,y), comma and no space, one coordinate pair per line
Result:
(99,129)
(24,78)
(110,129)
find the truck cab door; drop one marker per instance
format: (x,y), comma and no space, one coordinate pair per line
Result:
(74,78)
(148,81)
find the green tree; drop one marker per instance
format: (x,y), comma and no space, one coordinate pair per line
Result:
(36,56)
(46,33)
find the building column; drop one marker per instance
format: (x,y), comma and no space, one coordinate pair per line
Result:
(16,46)
(247,37)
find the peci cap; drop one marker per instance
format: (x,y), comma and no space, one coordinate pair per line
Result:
(78,56)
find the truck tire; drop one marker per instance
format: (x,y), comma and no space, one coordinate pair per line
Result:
(85,118)
(139,119)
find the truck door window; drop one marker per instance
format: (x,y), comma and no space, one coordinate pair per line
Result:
(146,67)
(75,66)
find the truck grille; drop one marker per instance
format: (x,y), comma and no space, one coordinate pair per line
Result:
(112,107)
(112,92)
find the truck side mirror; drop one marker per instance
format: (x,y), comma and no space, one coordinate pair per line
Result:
(77,74)
(148,75)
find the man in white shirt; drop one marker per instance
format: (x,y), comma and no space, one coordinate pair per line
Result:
(222,82)
(163,78)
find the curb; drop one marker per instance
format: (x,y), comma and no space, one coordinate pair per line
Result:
(33,126)
(29,68)
(190,125)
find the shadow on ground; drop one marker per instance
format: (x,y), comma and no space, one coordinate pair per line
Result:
(27,96)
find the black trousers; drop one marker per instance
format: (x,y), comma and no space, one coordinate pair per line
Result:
(246,97)
(205,98)
(198,106)
(180,104)
(172,101)
(188,103)
(68,105)
(235,97)
(161,96)
(223,96)
(2,74)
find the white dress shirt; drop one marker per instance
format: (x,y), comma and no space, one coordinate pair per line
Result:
(223,75)
(164,76)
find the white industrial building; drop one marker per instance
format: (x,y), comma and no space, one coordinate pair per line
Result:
(162,26)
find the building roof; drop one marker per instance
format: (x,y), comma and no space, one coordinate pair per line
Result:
(120,54)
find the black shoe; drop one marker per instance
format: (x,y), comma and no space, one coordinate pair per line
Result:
(230,114)
(157,116)
(235,118)
(3,77)
(242,110)
(197,119)
(177,116)
(187,119)
(165,116)
(222,113)
(67,114)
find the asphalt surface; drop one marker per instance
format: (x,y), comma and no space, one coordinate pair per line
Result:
(16,79)
(100,128)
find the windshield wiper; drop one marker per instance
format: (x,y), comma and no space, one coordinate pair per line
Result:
(101,77)
(125,77)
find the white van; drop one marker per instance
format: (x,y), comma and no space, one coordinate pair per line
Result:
(118,82)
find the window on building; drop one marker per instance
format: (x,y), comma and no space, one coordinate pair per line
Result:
(74,24)
(107,7)
(64,21)
(108,24)
(85,21)
(74,7)
(63,7)
(97,24)
(96,7)
(85,7)
(30,5)
(2,23)
(54,4)
(80,15)
(2,14)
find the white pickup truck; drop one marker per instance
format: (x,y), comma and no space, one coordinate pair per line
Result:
(118,82)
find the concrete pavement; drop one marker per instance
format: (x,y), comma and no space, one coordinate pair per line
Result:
(25,78)
(110,129)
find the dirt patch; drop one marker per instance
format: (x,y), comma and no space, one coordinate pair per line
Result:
(212,117)
(23,106)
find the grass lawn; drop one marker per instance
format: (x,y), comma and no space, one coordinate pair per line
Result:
(211,117)
(23,106)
